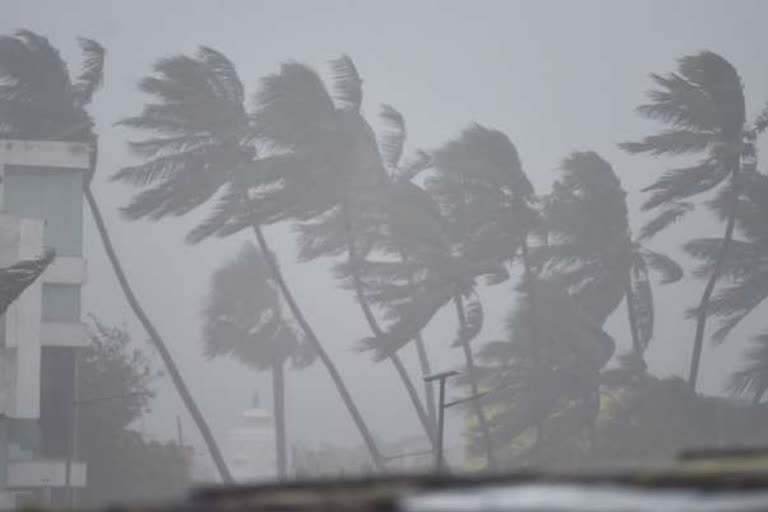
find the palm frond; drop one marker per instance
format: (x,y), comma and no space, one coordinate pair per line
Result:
(392,140)
(670,142)
(761,121)
(736,302)
(670,270)
(223,69)
(672,213)
(348,86)
(293,107)
(92,75)
(682,183)
(643,307)
(753,376)
(411,168)
(473,321)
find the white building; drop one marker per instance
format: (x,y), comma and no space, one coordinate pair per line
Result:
(41,205)
(250,452)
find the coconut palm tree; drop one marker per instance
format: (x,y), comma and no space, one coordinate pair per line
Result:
(203,144)
(244,318)
(40,100)
(591,249)
(547,365)
(329,177)
(703,107)
(482,190)
(746,270)
(391,146)
(469,221)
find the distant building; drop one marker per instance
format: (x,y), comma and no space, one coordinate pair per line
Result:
(250,450)
(41,205)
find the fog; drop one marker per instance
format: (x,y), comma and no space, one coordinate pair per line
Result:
(554,76)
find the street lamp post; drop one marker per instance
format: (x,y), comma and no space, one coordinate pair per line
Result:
(441,378)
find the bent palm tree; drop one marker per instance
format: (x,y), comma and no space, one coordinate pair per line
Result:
(39,100)
(551,354)
(328,176)
(244,318)
(590,246)
(747,273)
(206,145)
(703,106)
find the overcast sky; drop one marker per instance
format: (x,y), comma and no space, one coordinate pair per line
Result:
(556,76)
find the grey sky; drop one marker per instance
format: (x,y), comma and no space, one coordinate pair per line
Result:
(556,76)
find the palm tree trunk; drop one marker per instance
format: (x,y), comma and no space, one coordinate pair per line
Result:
(278,393)
(471,370)
(630,298)
(160,345)
(421,350)
(702,310)
(298,315)
(429,427)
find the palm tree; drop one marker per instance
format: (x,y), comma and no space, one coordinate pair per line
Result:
(40,100)
(466,225)
(551,354)
(205,145)
(481,188)
(747,273)
(590,246)
(703,106)
(330,176)
(391,145)
(244,318)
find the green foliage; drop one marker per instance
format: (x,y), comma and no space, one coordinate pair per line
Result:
(122,464)
(245,318)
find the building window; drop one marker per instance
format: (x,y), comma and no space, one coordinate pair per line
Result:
(61,303)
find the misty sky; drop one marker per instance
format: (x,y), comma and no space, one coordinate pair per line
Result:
(555,76)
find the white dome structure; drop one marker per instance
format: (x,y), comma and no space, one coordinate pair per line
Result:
(251,447)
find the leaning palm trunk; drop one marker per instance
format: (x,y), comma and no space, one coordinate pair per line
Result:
(426,369)
(482,421)
(298,315)
(154,335)
(429,427)
(701,311)
(278,393)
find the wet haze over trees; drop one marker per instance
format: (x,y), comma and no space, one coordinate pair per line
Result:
(303,209)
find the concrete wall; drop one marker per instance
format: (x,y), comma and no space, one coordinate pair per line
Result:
(53,195)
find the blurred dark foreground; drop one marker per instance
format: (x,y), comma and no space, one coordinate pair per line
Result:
(735,481)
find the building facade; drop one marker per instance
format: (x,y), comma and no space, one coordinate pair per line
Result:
(41,206)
